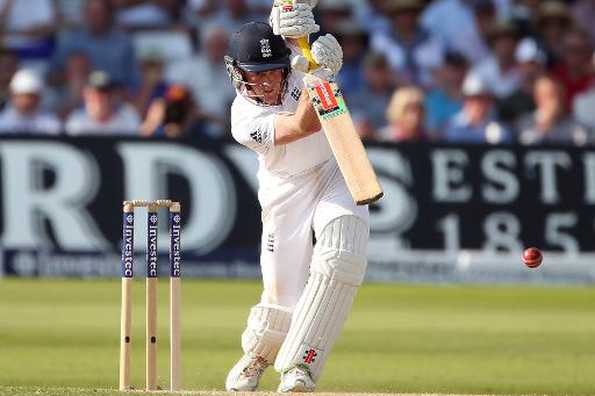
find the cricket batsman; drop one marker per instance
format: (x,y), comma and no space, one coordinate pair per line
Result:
(314,238)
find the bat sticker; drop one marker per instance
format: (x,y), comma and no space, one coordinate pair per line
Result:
(327,100)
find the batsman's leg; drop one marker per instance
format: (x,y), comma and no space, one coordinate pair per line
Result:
(337,270)
(285,257)
(265,331)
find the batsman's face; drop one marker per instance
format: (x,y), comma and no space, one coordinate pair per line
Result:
(266,86)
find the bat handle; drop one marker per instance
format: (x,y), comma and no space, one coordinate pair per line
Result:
(305,47)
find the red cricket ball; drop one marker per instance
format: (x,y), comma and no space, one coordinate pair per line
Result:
(532,257)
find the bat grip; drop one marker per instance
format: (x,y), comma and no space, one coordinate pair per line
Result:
(305,47)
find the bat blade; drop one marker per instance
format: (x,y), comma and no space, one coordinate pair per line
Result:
(345,143)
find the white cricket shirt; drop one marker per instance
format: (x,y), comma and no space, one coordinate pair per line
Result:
(253,126)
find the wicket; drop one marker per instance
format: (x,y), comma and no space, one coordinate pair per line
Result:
(151,292)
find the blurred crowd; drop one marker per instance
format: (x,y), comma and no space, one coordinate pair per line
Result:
(474,71)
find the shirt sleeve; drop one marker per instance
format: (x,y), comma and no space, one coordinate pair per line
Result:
(253,127)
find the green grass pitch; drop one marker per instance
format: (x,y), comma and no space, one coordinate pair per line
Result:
(61,337)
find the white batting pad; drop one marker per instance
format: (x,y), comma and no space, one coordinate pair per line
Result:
(265,331)
(337,270)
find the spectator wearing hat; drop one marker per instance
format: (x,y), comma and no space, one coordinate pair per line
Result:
(475,123)
(104,113)
(28,26)
(372,99)
(550,122)
(531,64)
(9,64)
(552,22)
(24,114)
(499,70)
(446,98)
(333,13)
(523,14)
(410,49)
(175,115)
(107,48)
(574,70)
(405,116)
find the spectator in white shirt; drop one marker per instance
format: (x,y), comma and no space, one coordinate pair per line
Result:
(412,51)
(499,70)
(23,114)
(28,27)
(104,113)
(455,23)
(133,14)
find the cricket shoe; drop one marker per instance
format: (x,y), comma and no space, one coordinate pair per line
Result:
(296,379)
(244,376)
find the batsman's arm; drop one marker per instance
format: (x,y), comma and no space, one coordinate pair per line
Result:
(291,127)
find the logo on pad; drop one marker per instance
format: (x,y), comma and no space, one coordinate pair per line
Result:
(310,356)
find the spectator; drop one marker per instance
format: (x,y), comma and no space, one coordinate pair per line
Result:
(446,99)
(70,13)
(363,126)
(370,16)
(455,23)
(27,27)
(499,70)
(24,114)
(232,16)
(531,64)
(575,71)
(553,21)
(550,122)
(137,14)
(63,99)
(372,100)
(153,83)
(175,115)
(8,67)
(523,15)
(107,48)
(104,113)
(405,116)
(476,123)
(583,12)
(199,12)
(584,104)
(354,43)
(334,13)
(206,76)
(409,48)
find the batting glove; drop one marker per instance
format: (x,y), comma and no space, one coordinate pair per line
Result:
(327,52)
(301,64)
(295,23)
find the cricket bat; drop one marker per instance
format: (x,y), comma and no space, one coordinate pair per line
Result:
(335,119)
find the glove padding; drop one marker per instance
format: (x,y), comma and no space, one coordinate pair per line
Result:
(298,22)
(327,52)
